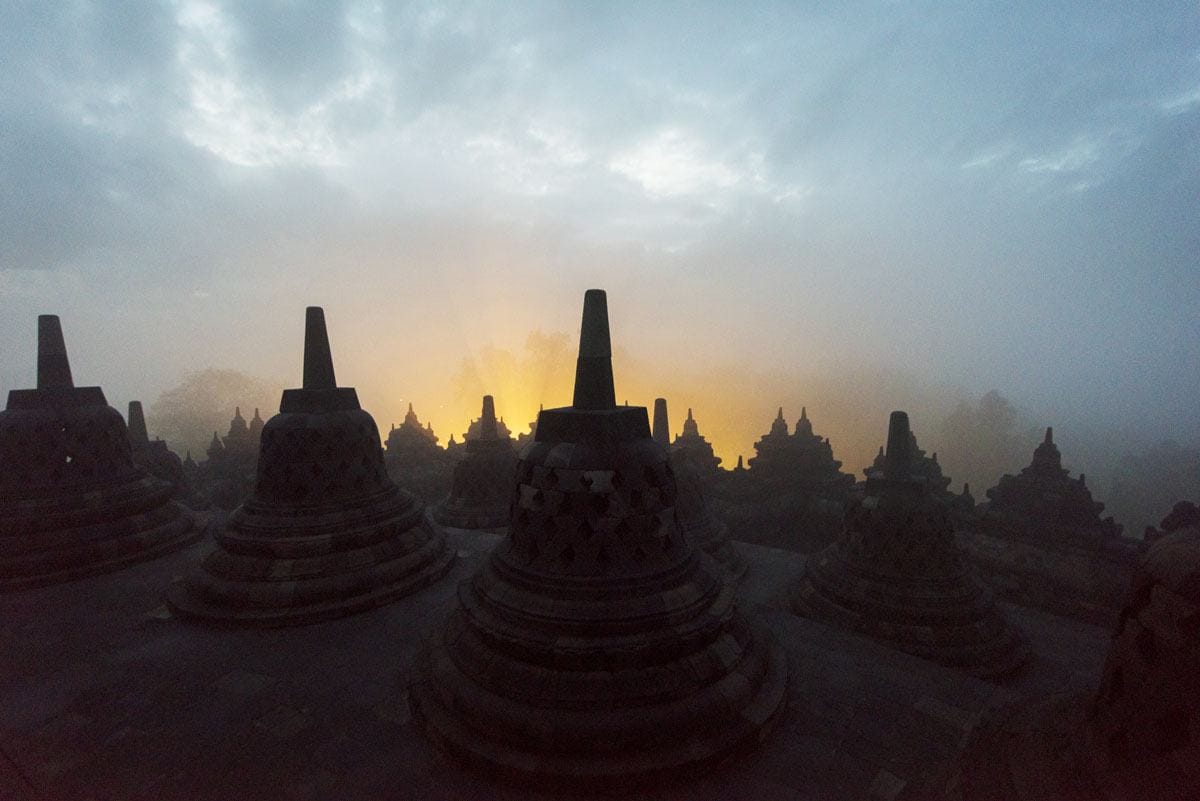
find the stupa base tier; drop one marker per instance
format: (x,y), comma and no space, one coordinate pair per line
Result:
(970,638)
(726,554)
(595,747)
(285,600)
(110,548)
(473,517)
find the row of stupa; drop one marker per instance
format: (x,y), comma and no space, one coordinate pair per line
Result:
(599,645)
(1041,503)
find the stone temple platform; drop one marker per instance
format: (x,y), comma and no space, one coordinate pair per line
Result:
(104,695)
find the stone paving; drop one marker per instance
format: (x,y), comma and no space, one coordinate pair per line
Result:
(104,695)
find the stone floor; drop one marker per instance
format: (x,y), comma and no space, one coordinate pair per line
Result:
(103,695)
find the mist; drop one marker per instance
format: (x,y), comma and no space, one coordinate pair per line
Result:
(855,210)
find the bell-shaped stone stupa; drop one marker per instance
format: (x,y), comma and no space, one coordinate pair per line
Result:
(596,648)
(72,500)
(895,573)
(326,532)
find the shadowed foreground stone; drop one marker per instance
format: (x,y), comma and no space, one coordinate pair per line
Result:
(896,574)
(72,500)
(1137,738)
(704,529)
(596,649)
(326,533)
(479,496)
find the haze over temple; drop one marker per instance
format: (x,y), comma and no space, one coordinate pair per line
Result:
(666,579)
(572,615)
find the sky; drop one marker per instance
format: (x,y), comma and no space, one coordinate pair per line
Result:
(851,206)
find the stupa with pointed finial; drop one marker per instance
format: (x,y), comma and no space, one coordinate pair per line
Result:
(480,494)
(695,516)
(326,532)
(478,428)
(1135,736)
(410,440)
(924,468)
(1045,504)
(416,463)
(800,463)
(158,460)
(963,505)
(232,459)
(255,428)
(73,501)
(772,450)
(895,573)
(692,446)
(596,648)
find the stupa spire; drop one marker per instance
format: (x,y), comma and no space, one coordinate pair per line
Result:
(689,417)
(1049,440)
(138,437)
(898,457)
(53,367)
(593,371)
(487,419)
(318,360)
(661,431)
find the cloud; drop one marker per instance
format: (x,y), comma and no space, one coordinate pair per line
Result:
(902,184)
(671,163)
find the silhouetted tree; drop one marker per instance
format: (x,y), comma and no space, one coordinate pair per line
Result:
(187,415)
(982,441)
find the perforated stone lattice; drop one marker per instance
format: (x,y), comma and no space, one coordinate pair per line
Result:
(583,522)
(302,464)
(59,447)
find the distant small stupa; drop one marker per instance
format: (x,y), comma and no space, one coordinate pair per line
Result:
(480,494)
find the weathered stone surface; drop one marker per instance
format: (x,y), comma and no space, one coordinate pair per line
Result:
(73,502)
(480,494)
(326,533)
(896,574)
(596,647)
(1136,736)
(105,695)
